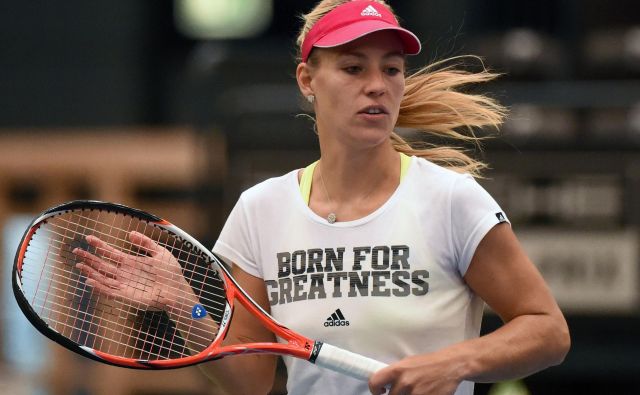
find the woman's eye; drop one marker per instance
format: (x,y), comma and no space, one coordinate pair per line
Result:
(352,69)
(392,71)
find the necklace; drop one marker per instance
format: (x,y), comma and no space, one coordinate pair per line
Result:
(331,218)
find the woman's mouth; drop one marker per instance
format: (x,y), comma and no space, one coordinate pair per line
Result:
(373,111)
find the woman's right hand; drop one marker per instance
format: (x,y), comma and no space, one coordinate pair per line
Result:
(151,280)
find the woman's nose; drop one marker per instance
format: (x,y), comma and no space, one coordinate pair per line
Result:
(376,84)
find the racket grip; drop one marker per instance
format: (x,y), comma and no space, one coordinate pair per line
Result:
(347,362)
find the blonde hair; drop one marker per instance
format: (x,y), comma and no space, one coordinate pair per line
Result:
(434,106)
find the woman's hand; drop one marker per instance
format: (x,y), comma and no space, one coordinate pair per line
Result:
(432,374)
(152,280)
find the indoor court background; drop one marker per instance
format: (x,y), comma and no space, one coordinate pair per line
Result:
(128,101)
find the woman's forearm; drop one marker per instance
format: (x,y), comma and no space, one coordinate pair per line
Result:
(229,375)
(523,346)
(242,374)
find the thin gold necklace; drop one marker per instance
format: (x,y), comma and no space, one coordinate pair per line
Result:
(331,218)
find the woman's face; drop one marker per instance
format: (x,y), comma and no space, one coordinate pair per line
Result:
(358,88)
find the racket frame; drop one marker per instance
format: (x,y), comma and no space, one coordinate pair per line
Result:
(296,344)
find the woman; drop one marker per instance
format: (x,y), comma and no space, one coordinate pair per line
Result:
(419,244)
(380,247)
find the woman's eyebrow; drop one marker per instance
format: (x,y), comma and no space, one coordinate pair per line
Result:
(361,55)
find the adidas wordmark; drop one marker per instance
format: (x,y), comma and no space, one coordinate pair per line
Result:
(336,319)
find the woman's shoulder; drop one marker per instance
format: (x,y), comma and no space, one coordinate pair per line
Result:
(434,181)
(272,188)
(444,176)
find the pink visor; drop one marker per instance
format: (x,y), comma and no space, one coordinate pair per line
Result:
(353,20)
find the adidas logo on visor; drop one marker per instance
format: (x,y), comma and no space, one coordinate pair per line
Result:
(336,319)
(370,11)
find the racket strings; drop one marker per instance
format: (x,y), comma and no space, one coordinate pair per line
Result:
(185,261)
(215,301)
(76,298)
(80,301)
(89,333)
(219,289)
(78,320)
(93,308)
(171,248)
(146,336)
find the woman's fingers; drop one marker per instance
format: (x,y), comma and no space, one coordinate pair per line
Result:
(105,250)
(146,244)
(99,281)
(107,268)
(380,381)
(166,266)
(114,256)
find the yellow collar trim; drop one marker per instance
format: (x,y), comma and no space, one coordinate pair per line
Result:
(307,176)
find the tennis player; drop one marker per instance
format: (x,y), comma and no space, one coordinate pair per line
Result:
(380,247)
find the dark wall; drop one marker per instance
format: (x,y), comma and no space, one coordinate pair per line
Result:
(80,63)
(123,62)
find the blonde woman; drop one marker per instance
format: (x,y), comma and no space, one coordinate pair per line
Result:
(381,247)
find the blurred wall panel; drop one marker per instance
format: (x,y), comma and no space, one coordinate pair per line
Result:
(47,167)
(77,62)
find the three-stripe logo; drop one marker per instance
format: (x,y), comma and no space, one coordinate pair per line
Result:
(336,319)
(370,11)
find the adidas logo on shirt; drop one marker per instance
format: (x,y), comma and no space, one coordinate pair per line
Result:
(370,11)
(336,319)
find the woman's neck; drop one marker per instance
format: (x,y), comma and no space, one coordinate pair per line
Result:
(354,184)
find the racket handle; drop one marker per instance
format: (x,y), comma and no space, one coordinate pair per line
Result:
(347,362)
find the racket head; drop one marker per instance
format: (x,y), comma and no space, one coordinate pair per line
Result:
(55,297)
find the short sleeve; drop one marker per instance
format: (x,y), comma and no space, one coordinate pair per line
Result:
(473,213)
(235,243)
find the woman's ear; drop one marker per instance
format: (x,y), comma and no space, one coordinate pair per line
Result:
(303,76)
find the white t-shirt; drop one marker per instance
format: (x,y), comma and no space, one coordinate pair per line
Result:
(387,286)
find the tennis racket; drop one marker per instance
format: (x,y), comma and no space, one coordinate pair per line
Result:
(124,287)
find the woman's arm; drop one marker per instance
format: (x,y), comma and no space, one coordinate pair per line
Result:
(535,334)
(118,275)
(251,374)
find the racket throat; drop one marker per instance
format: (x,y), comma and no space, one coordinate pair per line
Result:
(317,346)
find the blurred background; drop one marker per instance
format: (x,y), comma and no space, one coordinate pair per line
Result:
(177,106)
